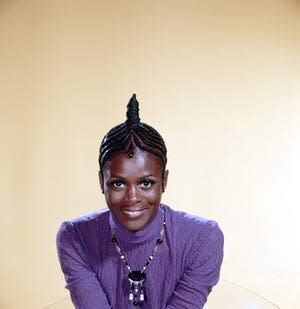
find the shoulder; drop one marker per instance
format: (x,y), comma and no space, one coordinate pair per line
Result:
(188,227)
(91,218)
(84,225)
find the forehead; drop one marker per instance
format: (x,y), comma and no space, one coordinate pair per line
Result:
(141,162)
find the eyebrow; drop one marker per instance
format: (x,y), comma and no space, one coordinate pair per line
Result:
(147,176)
(142,177)
(116,176)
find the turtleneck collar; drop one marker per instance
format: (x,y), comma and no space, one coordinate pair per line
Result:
(149,232)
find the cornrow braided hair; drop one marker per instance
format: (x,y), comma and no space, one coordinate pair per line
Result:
(130,135)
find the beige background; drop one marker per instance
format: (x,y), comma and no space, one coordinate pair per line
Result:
(220,81)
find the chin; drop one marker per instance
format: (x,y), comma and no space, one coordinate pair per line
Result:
(137,225)
(134,227)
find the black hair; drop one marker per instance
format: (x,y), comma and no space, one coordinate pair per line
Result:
(132,134)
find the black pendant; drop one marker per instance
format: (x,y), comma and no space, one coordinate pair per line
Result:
(137,276)
(136,292)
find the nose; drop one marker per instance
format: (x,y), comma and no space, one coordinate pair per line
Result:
(133,194)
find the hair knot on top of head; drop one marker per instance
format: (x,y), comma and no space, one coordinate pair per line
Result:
(132,134)
(132,114)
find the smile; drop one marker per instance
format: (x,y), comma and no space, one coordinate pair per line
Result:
(134,214)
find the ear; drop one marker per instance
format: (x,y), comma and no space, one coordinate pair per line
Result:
(165,180)
(101,181)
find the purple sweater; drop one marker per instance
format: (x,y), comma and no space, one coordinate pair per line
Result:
(181,275)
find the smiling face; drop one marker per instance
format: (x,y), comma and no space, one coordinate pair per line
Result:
(133,188)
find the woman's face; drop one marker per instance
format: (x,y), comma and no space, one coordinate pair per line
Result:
(133,188)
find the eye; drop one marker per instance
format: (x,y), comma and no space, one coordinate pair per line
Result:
(146,183)
(118,184)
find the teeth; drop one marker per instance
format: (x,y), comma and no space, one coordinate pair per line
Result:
(133,213)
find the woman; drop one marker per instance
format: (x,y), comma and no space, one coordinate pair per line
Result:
(138,252)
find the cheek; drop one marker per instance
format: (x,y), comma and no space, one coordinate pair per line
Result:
(113,197)
(153,196)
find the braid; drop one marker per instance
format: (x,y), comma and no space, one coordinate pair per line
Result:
(132,112)
(132,134)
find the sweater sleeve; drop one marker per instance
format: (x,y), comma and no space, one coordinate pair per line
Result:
(201,273)
(84,287)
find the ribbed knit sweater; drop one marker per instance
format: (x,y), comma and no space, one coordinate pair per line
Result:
(181,275)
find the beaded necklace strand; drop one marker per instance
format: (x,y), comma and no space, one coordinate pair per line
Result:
(136,278)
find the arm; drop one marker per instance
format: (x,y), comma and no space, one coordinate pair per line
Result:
(201,273)
(84,287)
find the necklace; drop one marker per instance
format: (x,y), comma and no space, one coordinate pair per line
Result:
(137,278)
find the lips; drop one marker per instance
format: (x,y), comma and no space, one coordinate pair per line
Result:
(134,214)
